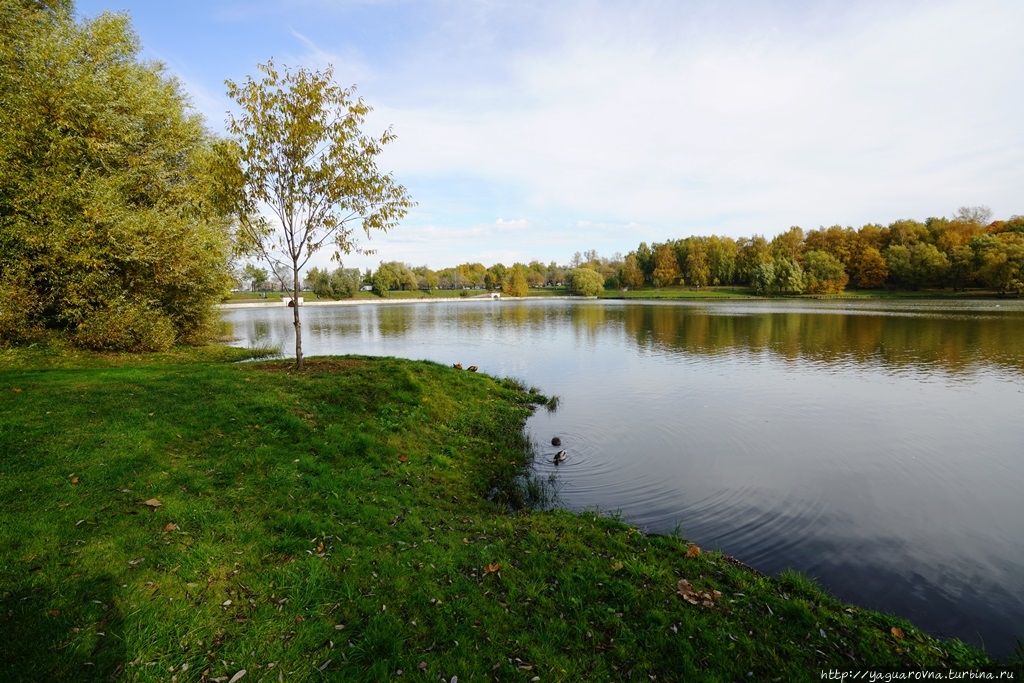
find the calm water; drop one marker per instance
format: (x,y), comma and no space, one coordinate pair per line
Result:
(878,447)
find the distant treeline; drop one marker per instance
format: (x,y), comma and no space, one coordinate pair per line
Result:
(964,251)
(967,250)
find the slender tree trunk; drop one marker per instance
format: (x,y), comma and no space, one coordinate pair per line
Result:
(298,325)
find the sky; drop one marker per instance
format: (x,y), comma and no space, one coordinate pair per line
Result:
(534,129)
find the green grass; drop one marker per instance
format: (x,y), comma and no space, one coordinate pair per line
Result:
(252,297)
(346,523)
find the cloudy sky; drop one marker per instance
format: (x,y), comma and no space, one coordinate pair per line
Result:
(532,129)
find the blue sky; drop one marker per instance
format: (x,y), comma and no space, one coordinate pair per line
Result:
(531,129)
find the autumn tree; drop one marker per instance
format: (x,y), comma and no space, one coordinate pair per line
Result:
(666,266)
(722,252)
(494,277)
(788,245)
(824,273)
(750,254)
(111,227)
(515,283)
(303,156)
(1002,261)
(698,263)
(868,269)
(631,275)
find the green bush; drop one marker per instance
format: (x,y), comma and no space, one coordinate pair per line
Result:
(19,307)
(126,326)
(111,188)
(585,282)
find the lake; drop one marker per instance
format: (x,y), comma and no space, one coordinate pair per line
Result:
(876,446)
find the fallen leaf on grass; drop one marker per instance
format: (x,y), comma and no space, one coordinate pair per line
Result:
(492,568)
(153,503)
(74,480)
(897,632)
(695,597)
(238,676)
(617,566)
(402,458)
(171,526)
(17,391)
(693,551)
(53,612)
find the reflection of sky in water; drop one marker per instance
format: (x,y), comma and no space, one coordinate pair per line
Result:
(875,446)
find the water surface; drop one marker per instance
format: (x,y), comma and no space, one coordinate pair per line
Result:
(876,446)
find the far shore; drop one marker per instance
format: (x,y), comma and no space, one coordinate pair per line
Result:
(266,303)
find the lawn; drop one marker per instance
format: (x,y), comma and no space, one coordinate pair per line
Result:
(179,517)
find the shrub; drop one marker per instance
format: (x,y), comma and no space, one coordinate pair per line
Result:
(126,326)
(585,282)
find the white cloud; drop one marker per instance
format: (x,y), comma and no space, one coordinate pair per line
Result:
(601,123)
(503,224)
(890,114)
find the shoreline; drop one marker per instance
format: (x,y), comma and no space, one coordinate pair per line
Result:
(278,512)
(407,300)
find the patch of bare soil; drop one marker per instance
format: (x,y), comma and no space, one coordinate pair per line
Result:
(327,365)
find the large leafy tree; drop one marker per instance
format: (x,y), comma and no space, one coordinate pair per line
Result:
(585,281)
(110,225)
(304,158)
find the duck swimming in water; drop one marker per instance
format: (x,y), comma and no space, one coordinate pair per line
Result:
(560,456)
(556,441)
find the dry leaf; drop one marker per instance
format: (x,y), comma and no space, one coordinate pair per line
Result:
(53,612)
(74,480)
(693,551)
(153,503)
(237,676)
(402,458)
(694,597)
(492,568)
(171,526)
(617,566)
(897,631)
(17,391)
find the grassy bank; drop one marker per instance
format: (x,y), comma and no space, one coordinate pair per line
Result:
(178,517)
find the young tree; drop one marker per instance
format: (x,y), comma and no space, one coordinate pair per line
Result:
(303,156)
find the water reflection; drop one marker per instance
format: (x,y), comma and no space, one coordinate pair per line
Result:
(877,447)
(954,341)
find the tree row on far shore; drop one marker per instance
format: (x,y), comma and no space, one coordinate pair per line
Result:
(967,250)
